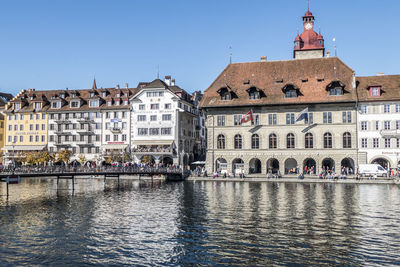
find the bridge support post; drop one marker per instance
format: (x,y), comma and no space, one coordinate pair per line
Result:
(73,183)
(7,189)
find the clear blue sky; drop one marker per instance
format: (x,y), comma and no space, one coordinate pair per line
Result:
(56,44)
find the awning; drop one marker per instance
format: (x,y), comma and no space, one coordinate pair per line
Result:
(23,148)
(153,142)
(198,163)
(115,146)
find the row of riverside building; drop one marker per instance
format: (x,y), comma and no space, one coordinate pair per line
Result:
(157,119)
(350,120)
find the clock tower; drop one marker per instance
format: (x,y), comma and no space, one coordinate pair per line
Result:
(308,44)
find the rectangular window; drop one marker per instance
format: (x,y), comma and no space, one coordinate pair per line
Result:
(141,107)
(154,106)
(74,104)
(272,119)
(166,117)
(81,150)
(290,118)
(327,116)
(107,125)
(9,138)
(397,125)
(107,137)
(375,142)
(221,120)
(15,127)
(37,138)
(116,114)
(115,137)
(141,117)
(387,142)
(375,91)
(386,108)
(56,104)
(10,117)
(387,125)
(346,116)
(154,131)
(21,117)
(256,120)
(123,113)
(21,138)
(153,117)
(167,106)
(51,127)
(142,131)
(43,138)
(397,108)
(21,127)
(398,142)
(43,127)
(17,106)
(363,126)
(149,94)
(10,127)
(51,138)
(309,119)
(364,142)
(37,127)
(15,139)
(124,125)
(165,131)
(377,125)
(43,116)
(237,119)
(124,137)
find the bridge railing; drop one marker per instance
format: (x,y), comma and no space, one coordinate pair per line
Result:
(90,170)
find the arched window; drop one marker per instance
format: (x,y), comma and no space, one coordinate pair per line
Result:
(346,140)
(238,141)
(309,140)
(221,141)
(327,140)
(272,141)
(255,141)
(290,141)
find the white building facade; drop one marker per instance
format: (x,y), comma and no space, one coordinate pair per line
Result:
(162,123)
(379,120)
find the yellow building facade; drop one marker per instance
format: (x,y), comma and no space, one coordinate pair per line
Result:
(25,123)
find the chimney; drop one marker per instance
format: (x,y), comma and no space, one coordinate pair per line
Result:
(328,54)
(117,86)
(173,82)
(168,80)
(380,74)
(126,85)
(263,58)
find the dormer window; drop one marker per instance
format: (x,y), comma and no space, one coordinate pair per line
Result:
(375,91)
(17,106)
(31,97)
(74,104)
(56,104)
(62,95)
(335,88)
(38,105)
(117,95)
(125,102)
(226,94)
(91,94)
(93,103)
(73,95)
(291,91)
(109,103)
(255,93)
(117,103)
(53,97)
(104,94)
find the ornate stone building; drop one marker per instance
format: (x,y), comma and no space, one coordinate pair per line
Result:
(277,92)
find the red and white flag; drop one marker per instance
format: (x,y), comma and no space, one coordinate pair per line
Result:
(247,117)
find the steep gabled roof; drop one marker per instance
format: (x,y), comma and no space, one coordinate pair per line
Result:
(311,76)
(157,83)
(390,87)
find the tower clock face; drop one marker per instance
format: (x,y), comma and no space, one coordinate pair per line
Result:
(308,26)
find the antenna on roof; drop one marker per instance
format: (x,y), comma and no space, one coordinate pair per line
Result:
(230,55)
(308,5)
(158,71)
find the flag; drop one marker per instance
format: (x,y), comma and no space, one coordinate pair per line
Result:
(247,117)
(303,114)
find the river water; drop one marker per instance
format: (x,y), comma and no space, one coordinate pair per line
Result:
(199,223)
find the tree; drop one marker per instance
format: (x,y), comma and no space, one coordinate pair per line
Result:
(31,158)
(126,157)
(82,159)
(64,156)
(147,159)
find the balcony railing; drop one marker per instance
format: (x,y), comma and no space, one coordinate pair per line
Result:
(115,130)
(62,121)
(65,132)
(390,133)
(85,120)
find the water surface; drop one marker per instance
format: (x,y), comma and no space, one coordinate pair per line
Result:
(199,223)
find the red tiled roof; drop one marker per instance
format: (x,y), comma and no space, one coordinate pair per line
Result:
(390,87)
(272,76)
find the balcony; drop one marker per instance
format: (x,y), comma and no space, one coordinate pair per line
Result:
(390,133)
(62,121)
(85,131)
(85,144)
(60,132)
(61,144)
(115,130)
(85,120)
